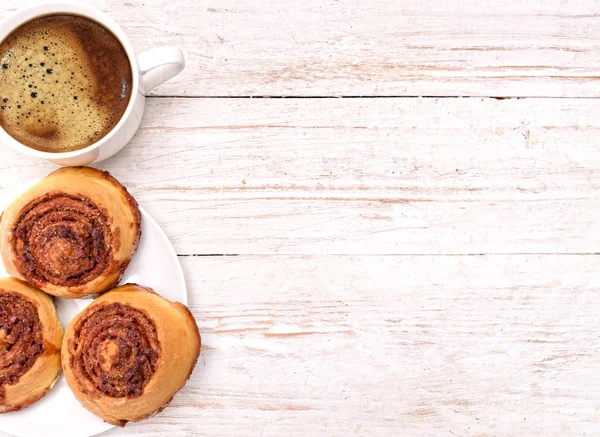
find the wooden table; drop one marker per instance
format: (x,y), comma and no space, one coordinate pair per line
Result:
(386,210)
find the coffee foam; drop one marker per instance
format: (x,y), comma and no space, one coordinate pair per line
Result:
(65,82)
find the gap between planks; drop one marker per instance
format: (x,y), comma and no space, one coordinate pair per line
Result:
(441,255)
(367,97)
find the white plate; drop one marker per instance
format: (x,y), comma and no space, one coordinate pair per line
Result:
(59,414)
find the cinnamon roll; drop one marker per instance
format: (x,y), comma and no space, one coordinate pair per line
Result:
(128,353)
(71,235)
(30,341)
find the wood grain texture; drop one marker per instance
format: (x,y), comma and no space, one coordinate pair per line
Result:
(370,48)
(357,301)
(374,176)
(390,345)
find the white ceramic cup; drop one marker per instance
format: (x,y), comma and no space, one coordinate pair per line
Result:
(149,70)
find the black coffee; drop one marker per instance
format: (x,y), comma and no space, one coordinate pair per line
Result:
(65,82)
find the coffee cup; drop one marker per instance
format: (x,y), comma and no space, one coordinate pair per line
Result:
(148,70)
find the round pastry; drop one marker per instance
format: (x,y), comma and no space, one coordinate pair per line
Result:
(128,353)
(72,234)
(30,341)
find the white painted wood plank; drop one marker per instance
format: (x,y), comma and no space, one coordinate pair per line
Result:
(251,226)
(376,47)
(390,345)
(378,176)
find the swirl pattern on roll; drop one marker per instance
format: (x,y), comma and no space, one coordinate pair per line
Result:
(115,348)
(129,352)
(21,338)
(73,234)
(62,239)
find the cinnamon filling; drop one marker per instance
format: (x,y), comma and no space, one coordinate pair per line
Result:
(21,338)
(115,348)
(62,239)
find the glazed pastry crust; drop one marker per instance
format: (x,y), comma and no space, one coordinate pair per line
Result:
(72,234)
(15,349)
(128,353)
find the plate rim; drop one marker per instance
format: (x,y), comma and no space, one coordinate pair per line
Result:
(163,236)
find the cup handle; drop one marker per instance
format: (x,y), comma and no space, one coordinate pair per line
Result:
(159,65)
